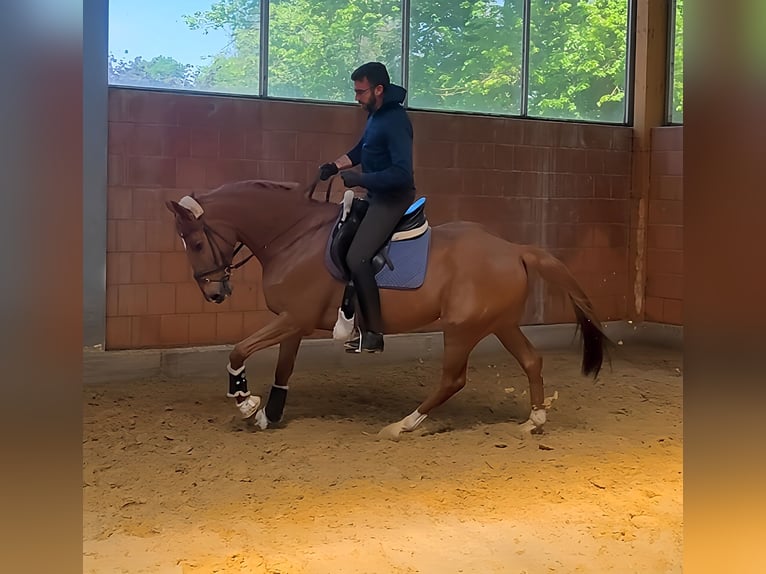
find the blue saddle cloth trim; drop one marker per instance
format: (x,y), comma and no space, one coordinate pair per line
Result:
(410,259)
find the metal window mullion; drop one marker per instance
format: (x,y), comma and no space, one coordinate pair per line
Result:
(263,56)
(525,19)
(630,64)
(406,12)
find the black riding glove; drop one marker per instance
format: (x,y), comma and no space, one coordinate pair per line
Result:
(327,170)
(351,178)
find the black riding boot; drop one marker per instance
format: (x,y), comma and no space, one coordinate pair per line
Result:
(371,329)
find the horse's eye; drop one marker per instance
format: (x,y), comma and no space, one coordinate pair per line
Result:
(197,246)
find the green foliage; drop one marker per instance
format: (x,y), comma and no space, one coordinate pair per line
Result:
(464,54)
(677,103)
(159,72)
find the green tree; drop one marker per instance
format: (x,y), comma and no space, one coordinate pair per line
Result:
(677,102)
(464,55)
(159,72)
(578,52)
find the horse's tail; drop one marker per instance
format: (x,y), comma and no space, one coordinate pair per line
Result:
(554,271)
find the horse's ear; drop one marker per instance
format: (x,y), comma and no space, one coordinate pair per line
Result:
(179,210)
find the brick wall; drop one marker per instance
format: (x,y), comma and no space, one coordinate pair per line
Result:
(564,186)
(664,256)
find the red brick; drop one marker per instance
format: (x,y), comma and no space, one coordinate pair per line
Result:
(120,137)
(189,298)
(118,333)
(119,203)
(144,107)
(111,300)
(232,144)
(665,237)
(152,171)
(190,174)
(308,146)
(667,187)
(229,327)
(672,311)
(436,154)
(145,331)
(653,309)
(176,141)
(668,138)
(202,329)
(665,261)
(116,171)
(160,299)
(161,235)
(118,267)
(175,268)
(617,162)
(146,140)
(594,136)
(205,142)
(131,236)
(280,146)
(174,329)
(145,268)
(664,285)
(131,300)
(148,204)
(475,155)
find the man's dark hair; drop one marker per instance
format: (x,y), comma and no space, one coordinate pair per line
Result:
(375,72)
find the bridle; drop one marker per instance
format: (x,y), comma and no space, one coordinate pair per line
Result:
(221,265)
(218,257)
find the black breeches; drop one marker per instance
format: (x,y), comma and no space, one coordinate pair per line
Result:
(375,229)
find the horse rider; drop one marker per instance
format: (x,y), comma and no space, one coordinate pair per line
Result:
(385,155)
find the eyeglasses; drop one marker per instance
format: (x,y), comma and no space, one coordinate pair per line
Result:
(360,92)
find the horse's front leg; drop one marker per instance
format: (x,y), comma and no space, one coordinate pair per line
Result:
(283,328)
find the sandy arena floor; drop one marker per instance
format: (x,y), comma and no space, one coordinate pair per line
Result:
(174,482)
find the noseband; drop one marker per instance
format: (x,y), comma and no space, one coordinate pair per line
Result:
(218,258)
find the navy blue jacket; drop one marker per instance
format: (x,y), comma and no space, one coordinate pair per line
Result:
(385,150)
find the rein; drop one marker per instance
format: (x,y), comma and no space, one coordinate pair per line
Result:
(227,268)
(218,257)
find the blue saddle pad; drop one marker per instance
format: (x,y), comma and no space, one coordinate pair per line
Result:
(409,258)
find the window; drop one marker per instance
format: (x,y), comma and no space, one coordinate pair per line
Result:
(529,58)
(577,56)
(185,44)
(676,80)
(314,45)
(466,56)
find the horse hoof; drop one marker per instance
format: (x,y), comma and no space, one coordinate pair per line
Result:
(261,420)
(249,406)
(392,431)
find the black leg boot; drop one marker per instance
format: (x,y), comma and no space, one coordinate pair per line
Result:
(371,339)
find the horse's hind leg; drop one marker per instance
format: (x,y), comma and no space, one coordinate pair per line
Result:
(457,347)
(532,363)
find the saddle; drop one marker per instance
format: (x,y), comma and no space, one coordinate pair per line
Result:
(412,225)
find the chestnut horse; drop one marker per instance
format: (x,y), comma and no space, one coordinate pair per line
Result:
(475,284)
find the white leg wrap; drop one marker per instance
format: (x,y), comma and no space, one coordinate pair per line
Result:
(261,420)
(412,421)
(232,371)
(538,417)
(248,407)
(343,327)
